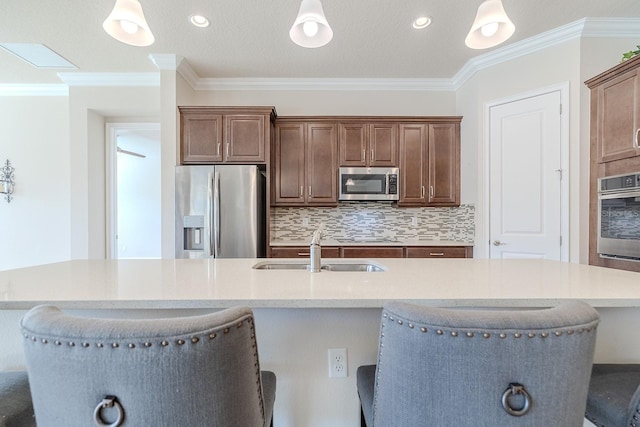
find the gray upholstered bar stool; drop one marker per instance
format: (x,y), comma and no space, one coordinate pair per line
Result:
(459,367)
(186,371)
(16,409)
(614,395)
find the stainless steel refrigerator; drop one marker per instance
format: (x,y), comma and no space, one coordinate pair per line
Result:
(220,212)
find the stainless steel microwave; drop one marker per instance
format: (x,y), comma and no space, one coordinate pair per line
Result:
(369,183)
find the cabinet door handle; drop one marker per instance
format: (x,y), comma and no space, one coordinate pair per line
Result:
(422,192)
(228,148)
(431,191)
(301,190)
(303,253)
(436,253)
(218,149)
(635,138)
(309,191)
(372,156)
(364,151)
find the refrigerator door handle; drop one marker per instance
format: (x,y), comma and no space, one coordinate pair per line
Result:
(210,229)
(216,215)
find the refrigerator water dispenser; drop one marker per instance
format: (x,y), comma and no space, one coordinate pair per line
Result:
(193,232)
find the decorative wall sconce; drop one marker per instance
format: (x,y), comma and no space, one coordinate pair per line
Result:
(6,181)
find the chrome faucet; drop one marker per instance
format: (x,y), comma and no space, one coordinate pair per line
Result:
(315,249)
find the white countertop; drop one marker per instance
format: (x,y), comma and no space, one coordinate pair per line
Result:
(373,242)
(140,284)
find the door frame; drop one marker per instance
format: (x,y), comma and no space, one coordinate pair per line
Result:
(563,88)
(111,203)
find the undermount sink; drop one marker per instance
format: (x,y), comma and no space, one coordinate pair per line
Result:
(364,267)
(367,267)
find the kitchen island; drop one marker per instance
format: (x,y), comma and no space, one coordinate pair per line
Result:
(299,315)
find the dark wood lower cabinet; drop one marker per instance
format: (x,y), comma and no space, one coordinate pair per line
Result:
(302,252)
(372,252)
(375,251)
(440,252)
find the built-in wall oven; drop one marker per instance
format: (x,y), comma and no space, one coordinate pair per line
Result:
(619,216)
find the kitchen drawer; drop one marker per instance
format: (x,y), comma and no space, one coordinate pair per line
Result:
(302,252)
(440,252)
(372,252)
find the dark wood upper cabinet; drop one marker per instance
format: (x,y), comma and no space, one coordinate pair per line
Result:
(413,164)
(444,165)
(289,167)
(308,150)
(368,144)
(430,164)
(353,144)
(321,164)
(615,112)
(305,166)
(383,144)
(201,137)
(225,134)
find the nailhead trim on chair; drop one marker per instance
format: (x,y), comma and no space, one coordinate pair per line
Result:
(180,342)
(146,344)
(502,335)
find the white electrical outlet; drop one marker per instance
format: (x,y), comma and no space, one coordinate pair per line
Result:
(305,221)
(337,363)
(414,221)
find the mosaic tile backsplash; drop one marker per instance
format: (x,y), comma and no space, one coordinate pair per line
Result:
(377,221)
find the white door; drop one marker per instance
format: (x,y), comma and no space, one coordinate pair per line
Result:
(525,178)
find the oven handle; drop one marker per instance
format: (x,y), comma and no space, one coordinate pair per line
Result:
(619,195)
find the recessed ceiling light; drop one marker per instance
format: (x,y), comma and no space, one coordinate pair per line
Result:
(421,22)
(199,21)
(37,55)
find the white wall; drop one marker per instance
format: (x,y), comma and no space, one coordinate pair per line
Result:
(334,103)
(89,110)
(35,138)
(518,76)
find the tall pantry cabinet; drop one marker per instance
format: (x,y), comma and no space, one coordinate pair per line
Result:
(614,140)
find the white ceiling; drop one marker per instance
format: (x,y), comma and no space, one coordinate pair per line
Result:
(250,38)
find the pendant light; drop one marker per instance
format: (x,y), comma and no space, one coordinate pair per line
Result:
(311,28)
(491,27)
(126,23)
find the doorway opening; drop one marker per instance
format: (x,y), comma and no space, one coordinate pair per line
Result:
(133,190)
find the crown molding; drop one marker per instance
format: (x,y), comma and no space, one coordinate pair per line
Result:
(34,90)
(189,74)
(166,61)
(110,79)
(586,27)
(611,27)
(524,47)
